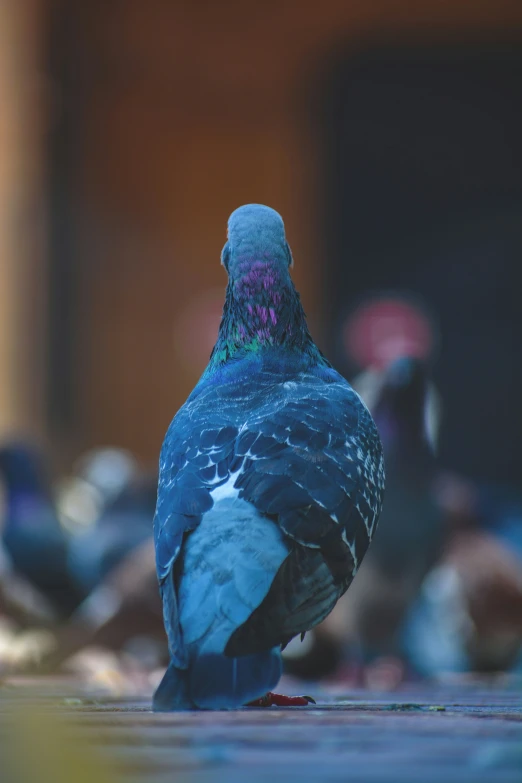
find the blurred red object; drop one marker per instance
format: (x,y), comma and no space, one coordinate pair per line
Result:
(383,329)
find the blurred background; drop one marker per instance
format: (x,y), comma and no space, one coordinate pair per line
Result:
(388,135)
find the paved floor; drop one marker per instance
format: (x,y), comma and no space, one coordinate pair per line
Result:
(59,730)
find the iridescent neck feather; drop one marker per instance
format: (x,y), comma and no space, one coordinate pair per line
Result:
(262,310)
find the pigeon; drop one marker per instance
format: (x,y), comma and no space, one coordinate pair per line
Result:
(100,476)
(114,563)
(494,599)
(270,488)
(20,600)
(469,613)
(123,608)
(36,544)
(411,529)
(109,470)
(125,523)
(369,620)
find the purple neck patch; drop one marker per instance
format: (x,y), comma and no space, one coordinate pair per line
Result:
(258,289)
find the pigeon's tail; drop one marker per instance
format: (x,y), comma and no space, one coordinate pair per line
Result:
(229,563)
(172,692)
(219,682)
(215,682)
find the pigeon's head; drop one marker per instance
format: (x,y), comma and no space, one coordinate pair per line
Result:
(262,308)
(406,379)
(256,240)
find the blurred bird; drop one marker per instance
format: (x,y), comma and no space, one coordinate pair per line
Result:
(110,557)
(271,482)
(99,477)
(123,607)
(469,616)
(489,584)
(21,601)
(112,561)
(368,621)
(33,538)
(125,523)
(109,469)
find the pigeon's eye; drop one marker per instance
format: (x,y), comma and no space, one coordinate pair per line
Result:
(225,255)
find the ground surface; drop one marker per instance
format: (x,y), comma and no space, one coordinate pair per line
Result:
(452,733)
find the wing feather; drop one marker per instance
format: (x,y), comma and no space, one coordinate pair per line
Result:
(306,454)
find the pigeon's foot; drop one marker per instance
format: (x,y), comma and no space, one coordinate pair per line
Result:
(278,700)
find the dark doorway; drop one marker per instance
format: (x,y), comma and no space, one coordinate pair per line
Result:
(425,196)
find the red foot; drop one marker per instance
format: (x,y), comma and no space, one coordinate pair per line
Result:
(277,700)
